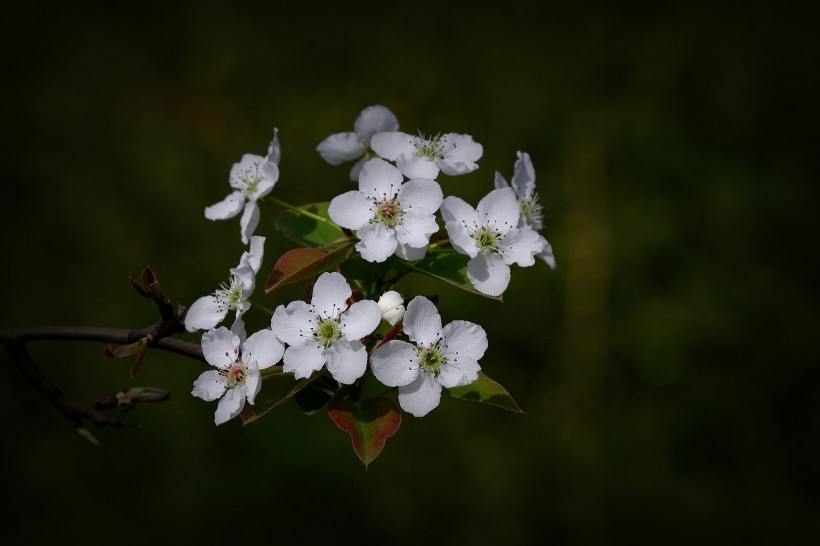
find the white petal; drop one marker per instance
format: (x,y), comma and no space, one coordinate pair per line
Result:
(390,145)
(274,150)
(264,348)
(253,381)
(460,154)
(523,180)
(293,324)
(238,328)
(520,245)
(230,406)
(346,360)
(420,195)
(422,323)
(205,313)
(356,170)
(461,239)
(546,253)
(396,363)
(303,360)
(227,208)
(500,181)
(351,210)
(377,242)
(270,174)
(341,147)
(245,277)
(220,347)
(455,209)
(421,396)
(463,339)
(254,255)
(210,385)
(415,230)
(390,300)
(416,166)
(499,210)
(375,119)
(407,252)
(488,273)
(249,221)
(330,295)
(360,319)
(459,372)
(247,168)
(379,179)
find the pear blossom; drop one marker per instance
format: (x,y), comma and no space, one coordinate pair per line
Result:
(489,236)
(439,357)
(423,157)
(341,147)
(532,212)
(326,331)
(208,311)
(389,215)
(236,377)
(251,179)
(391,306)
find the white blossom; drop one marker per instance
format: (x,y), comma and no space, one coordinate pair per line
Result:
(439,357)
(251,179)
(532,212)
(236,377)
(390,216)
(391,306)
(210,310)
(347,146)
(489,236)
(423,157)
(326,331)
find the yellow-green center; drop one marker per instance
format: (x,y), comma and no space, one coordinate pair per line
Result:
(327,332)
(431,359)
(486,239)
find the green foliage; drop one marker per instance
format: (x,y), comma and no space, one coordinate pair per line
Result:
(484,391)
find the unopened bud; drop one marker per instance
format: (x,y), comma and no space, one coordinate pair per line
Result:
(141,394)
(392,307)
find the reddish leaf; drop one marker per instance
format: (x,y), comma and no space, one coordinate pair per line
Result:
(370,422)
(301,263)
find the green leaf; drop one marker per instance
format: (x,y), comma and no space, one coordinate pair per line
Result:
(484,391)
(309,231)
(450,267)
(277,388)
(301,263)
(370,422)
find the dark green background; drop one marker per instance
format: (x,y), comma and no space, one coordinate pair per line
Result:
(668,366)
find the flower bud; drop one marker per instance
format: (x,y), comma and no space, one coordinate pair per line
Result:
(392,307)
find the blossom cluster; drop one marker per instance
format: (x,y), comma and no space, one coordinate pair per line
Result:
(350,329)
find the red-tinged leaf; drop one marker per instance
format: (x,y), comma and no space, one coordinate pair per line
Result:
(370,422)
(277,388)
(301,263)
(484,391)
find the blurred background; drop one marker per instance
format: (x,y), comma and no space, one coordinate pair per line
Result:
(668,367)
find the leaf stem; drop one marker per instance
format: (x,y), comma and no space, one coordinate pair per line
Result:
(298,210)
(261,307)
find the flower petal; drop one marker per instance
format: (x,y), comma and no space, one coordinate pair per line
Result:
(459,372)
(455,209)
(460,154)
(220,347)
(360,319)
(523,180)
(253,256)
(421,396)
(407,252)
(249,221)
(205,313)
(238,327)
(379,179)
(415,230)
(351,210)
(422,323)
(293,324)
(546,253)
(227,208)
(253,381)
(499,210)
(346,360)
(303,360)
(390,145)
(463,339)
(270,174)
(520,245)
(341,147)
(461,239)
(396,363)
(415,166)
(488,273)
(264,348)
(420,195)
(230,406)
(274,150)
(246,169)
(375,119)
(356,170)
(330,295)
(210,385)
(377,242)
(500,181)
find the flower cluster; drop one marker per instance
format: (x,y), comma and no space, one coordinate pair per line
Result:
(354,326)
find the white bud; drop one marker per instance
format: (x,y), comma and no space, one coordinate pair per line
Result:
(392,307)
